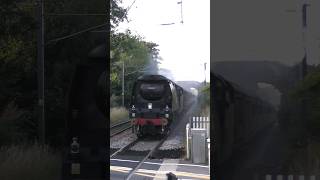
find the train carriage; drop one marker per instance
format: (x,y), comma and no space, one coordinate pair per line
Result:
(237,117)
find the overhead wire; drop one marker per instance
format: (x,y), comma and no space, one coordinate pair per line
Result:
(75,34)
(75,14)
(85,30)
(139,70)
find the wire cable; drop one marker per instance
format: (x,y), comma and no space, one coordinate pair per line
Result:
(139,70)
(85,30)
(75,34)
(76,14)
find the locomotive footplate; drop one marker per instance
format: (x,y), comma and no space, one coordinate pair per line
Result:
(153,121)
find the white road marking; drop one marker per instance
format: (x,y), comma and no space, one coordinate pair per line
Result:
(279,177)
(155,172)
(168,164)
(268,177)
(166,167)
(124,160)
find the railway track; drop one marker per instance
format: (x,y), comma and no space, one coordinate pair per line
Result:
(150,153)
(120,127)
(146,155)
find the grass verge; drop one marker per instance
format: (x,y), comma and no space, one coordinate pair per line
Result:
(31,162)
(118,114)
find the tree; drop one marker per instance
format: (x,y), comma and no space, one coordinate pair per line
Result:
(117,13)
(307,93)
(18,57)
(138,56)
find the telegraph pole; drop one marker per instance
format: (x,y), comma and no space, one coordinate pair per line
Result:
(180,2)
(122,84)
(304,31)
(205,77)
(304,72)
(40,70)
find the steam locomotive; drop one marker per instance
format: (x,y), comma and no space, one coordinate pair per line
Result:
(237,117)
(156,102)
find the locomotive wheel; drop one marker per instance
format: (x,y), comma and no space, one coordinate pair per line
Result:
(139,132)
(165,132)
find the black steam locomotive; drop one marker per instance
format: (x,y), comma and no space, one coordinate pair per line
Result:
(156,102)
(237,117)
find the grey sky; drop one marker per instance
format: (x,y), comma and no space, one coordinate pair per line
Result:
(263,30)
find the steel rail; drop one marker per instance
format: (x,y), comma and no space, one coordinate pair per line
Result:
(124,148)
(120,131)
(146,157)
(120,123)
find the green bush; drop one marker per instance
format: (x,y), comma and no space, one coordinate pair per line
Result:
(114,100)
(304,160)
(307,95)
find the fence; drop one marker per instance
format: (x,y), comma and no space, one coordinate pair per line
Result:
(287,177)
(198,129)
(201,123)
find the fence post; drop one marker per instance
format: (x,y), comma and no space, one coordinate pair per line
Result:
(208,141)
(187,137)
(193,122)
(208,126)
(197,118)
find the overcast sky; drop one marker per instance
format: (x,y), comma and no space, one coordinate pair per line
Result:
(241,30)
(184,47)
(263,30)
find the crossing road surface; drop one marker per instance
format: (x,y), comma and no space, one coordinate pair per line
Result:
(157,169)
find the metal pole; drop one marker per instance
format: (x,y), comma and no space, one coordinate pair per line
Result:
(205,77)
(180,2)
(181,13)
(304,38)
(123,84)
(208,143)
(40,60)
(304,70)
(187,138)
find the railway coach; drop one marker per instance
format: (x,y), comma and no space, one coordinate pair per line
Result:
(237,118)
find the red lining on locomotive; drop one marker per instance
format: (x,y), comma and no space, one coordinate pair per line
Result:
(155,121)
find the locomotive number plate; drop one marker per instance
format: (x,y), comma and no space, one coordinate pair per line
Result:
(75,168)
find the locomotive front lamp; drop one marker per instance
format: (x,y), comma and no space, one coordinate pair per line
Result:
(133,114)
(149,105)
(167,108)
(166,115)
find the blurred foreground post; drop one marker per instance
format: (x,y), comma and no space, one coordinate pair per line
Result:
(40,61)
